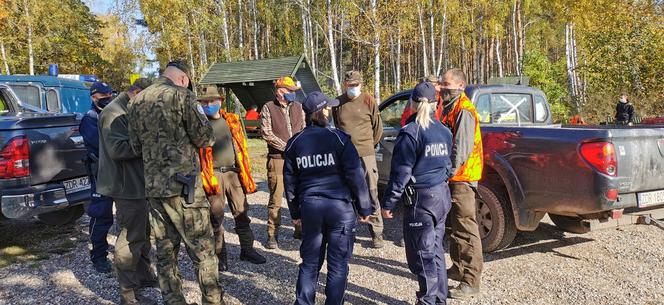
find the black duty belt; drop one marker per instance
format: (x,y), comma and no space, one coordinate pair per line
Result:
(225,169)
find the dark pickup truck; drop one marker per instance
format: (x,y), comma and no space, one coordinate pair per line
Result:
(42,173)
(584,177)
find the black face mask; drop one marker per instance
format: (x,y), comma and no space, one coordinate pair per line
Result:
(103,102)
(449,95)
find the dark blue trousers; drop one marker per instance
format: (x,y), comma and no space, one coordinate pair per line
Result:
(328,225)
(100,211)
(424,228)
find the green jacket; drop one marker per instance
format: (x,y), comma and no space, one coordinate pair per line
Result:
(167,127)
(120,173)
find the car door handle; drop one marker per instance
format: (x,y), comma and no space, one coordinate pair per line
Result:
(390,139)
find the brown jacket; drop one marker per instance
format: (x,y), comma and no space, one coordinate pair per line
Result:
(278,124)
(360,118)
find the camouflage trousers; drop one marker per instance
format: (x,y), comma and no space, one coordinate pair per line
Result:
(173,221)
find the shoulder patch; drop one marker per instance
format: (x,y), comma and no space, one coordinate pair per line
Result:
(200,109)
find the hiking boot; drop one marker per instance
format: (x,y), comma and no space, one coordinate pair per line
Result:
(377,241)
(130,296)
(463,291)
(103,266)
(272,242)
(223,260)
(252,256)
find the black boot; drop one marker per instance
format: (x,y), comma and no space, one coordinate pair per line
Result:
(247,252)
(252,256)
(223,258)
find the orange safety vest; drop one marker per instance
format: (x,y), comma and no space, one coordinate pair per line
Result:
(470,171)
(210,183)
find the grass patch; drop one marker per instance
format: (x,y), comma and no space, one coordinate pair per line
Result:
(258,156)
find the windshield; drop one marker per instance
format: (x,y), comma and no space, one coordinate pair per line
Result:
(75,100)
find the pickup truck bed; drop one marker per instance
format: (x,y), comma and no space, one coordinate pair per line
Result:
(42,172)
(574,173)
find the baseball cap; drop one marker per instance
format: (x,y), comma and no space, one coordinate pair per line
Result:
(316,101)
(140,84)
(353,78)
(100,87)
(424,90)
(288,83)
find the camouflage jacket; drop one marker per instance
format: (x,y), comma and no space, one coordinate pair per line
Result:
(167,126)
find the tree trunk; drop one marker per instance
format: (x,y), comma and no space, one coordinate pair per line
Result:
(240,27)
(341,45)
(516,37)
(431,38)
(571,77)
(499,57)
(221,10)
(425,58)
(31,53)
(376,45)
(443,35)
(305,34)
(331,46)
(4,57)
(398,77)
(191,55)
(255,22)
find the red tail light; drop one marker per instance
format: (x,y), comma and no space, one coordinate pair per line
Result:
(602,156)
(15,159)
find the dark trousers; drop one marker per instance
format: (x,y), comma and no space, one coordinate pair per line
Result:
(100,211)
(328,225)
(132,249)
(424,228)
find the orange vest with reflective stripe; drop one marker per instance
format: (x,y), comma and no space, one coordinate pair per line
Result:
(470,171)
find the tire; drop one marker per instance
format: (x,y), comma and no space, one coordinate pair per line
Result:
(570,224)
(494,219)
(62,217)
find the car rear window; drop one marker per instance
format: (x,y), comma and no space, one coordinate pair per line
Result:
(511,108)
(75,100)
(28,94)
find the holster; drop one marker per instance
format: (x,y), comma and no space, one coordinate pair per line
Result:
(411,197)
(188,186)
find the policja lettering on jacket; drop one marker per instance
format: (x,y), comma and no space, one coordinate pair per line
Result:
(436,150)
(315,161)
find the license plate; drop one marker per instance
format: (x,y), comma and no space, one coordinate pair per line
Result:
(76,185)
(650,198)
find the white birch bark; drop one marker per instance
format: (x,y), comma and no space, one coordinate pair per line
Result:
(443,35)
(240,28)
(31,53)
(398,58)
(331,46)
(431,38)
(376,53)
(221,10)
(4,57)
(516,37)
(499,57)
(425,58)
(255,23)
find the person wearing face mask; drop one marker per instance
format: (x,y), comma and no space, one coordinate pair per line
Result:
(233,173)
(408,111)
(624,111)
(100,208)
(357,115)
(324,179)
(460,116)
(280,120)
(168,127)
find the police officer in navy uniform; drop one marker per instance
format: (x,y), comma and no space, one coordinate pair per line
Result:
(421,166)
(323,178)
(100,208)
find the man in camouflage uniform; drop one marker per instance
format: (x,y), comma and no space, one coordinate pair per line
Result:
(167,126)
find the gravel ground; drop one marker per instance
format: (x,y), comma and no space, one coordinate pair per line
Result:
(614,266)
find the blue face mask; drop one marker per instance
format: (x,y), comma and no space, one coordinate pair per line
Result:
(290,97)
(354,92)
(211,109)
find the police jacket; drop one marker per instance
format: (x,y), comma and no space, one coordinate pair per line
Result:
(324,162)
(421,154)
(89,131)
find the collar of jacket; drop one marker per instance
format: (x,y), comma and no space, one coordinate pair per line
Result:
(164,80)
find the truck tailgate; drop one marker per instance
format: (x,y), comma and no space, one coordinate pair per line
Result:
(640,154)
(56,148)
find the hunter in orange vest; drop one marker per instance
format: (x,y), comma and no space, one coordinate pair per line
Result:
(460,116)
(226,174)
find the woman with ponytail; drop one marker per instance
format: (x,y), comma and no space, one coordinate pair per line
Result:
(421,166)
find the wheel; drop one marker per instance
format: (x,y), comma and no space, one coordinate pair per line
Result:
(494,219)
(570,224)
(62,217)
